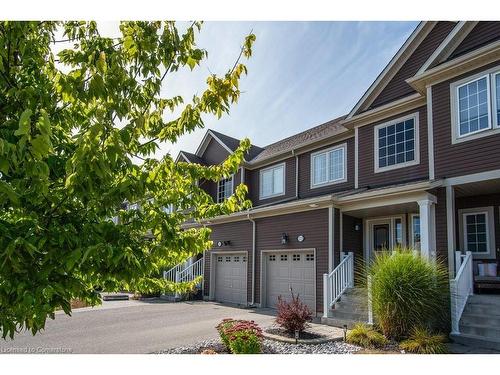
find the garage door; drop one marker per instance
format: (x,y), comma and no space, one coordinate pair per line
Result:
(293,270)
(231,278)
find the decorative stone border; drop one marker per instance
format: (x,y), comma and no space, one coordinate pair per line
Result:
(289,340)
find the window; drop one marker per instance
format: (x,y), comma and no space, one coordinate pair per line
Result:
(228,259)
(396,143)
(272,258)
(296,257)
(133,206)
(309,257)
(477,232)
(219,259)
(283,257)
(272,181)
(328,166)
(224,189)
(476,106)
(473,106)
(415,232)
(244,259)
(398,233)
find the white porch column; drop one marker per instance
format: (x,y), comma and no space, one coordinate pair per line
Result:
(427,228)
(450,229)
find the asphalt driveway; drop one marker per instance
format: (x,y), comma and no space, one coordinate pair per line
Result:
(131,327)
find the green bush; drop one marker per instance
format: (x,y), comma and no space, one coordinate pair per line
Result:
(366,337)
(241,336)
(408,291)
(422,341)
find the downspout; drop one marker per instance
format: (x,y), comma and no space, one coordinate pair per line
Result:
(253,257)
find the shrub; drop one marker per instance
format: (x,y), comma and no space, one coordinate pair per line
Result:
(365,336)
(408,291)
(241,336)
(294,315)
(422,341)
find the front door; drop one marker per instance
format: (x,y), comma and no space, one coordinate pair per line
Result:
(381,237)
(384,234)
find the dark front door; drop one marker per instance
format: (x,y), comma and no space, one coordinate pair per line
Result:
(381,237)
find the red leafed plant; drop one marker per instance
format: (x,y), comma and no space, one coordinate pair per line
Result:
(294,315)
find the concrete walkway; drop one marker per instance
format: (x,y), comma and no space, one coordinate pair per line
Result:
(132,327)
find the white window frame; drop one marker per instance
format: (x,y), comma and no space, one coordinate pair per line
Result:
(490,230)
(416,151)
(218,187)
(493,126)
(343,147)
(261,181)
(412,233)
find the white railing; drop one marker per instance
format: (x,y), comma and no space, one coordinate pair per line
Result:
(191,272)
(336,282)
(170,275)
(461,287)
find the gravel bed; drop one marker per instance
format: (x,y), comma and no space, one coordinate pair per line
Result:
(270,347)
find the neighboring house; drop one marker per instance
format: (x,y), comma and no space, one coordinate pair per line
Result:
(415,163)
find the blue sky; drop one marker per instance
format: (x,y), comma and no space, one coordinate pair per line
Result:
(301,74)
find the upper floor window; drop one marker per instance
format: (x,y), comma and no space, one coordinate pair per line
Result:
(272,181)
(476,106)
(224,189)
(328,166)
(396,143)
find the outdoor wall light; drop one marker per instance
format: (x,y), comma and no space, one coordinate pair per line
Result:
(301,238)
(284,239)
(357,227)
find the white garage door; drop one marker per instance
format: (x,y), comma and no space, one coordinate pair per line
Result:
(293,270)
(231,278)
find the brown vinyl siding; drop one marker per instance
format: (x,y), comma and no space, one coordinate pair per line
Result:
(441,225)
(252,179)
(305,190)
(240,236)
(353,242)
(472,156)
(397,87)
(313,225)
(366,166)
(214,153)
(476,202)
(483,33)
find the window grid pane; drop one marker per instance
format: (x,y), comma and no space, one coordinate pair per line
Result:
(225,189)
(473,107)
(475,233)
(328,166)
(497,91)
(319,169)
(273,181)
(396,143)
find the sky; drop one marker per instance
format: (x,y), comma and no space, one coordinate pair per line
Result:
(301,74)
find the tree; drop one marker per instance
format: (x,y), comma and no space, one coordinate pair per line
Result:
(71,127)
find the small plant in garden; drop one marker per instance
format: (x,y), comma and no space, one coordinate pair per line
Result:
(294,315)
(366,337)
(408,291)
(241,336)
(422,341)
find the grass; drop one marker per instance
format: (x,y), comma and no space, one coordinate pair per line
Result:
(366,337)
(422,341)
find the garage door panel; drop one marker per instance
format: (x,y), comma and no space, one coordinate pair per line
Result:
(291,269)
(230,278)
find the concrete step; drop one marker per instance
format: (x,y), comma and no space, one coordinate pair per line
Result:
(484,299)
(115,297)
(476,341)
(354,309)
(482,309)
(345,315)
(482,319)
(482,330)
(336,322)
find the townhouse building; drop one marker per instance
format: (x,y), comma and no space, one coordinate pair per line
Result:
(415,163)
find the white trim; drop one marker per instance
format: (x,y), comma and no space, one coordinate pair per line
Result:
(181,154)
(242,174)
(449,44)
(430,133)
(456,137)
(205,141)
(342,146)
(413,41)
(356,157)
(450,228)
(272,167)
(263,275)
(490,230)
(494,98)
(474,177)
(416,151)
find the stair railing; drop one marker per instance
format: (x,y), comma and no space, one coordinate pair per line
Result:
(338,281)
(170,274)
(461,287)
(191,272)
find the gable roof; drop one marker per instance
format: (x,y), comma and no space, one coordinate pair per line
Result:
(406,50)
(317,133)
(190,158)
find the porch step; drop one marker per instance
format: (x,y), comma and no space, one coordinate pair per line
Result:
(336,322)
(348,315)
(484,300)
(478,309)
(476,341)
(485,319)
(483,330)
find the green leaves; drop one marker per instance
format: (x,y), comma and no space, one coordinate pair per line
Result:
(24,123)
(75,146)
